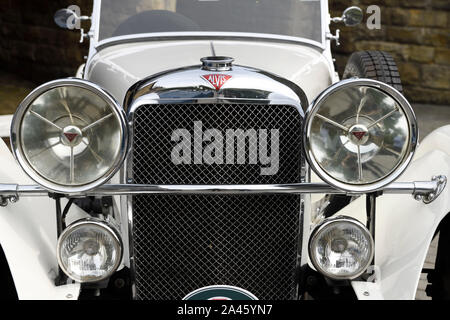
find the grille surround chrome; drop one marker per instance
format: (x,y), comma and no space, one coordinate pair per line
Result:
(188,86)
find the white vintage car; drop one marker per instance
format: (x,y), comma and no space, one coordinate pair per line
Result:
(209,150)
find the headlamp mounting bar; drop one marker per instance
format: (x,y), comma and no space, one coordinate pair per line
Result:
(426,191)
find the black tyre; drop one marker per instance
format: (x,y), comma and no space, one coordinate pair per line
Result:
(441,276)
(8,289)
(377,65)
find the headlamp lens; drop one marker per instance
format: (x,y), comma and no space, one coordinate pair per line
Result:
(341,248)
(89,251)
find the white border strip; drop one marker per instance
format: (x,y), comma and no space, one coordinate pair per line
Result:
(5,125)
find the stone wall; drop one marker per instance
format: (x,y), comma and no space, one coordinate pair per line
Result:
(415,32)
(33,46)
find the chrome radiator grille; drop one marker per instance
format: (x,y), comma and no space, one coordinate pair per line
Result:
(185,242)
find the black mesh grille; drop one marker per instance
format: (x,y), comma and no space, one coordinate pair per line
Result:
(185,242)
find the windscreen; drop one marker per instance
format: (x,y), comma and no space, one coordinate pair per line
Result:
(296,18)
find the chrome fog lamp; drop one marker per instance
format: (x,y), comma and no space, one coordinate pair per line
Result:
(341,248)
(360,135)
(69,135)
(89,250)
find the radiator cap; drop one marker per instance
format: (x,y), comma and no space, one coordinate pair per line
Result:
(217,63)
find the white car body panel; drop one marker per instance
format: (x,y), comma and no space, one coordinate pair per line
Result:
(118,67)
(405,227)
(28,238)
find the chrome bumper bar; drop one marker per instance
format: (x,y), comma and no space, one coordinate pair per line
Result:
(426,191)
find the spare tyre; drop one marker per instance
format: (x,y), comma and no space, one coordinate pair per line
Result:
(377,65)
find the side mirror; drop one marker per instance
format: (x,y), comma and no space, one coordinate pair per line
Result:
(351,17)
(70,19)
(66,19)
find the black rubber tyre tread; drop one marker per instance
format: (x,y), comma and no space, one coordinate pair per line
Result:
(377,65)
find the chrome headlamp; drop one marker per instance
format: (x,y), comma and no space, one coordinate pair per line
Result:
(69,135)
(360,135)
(89,250)
(341,248)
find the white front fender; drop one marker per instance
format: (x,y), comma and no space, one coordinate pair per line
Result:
(405,227)
(28,238)
(5,125)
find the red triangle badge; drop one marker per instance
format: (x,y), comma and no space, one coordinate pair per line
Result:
(217,80)
(359,134)
(70,136)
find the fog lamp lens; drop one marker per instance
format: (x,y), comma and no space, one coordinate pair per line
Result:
(341,248)
(89,250)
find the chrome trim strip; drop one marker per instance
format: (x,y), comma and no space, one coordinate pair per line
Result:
(174,36)
(415,188)
(135,189)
